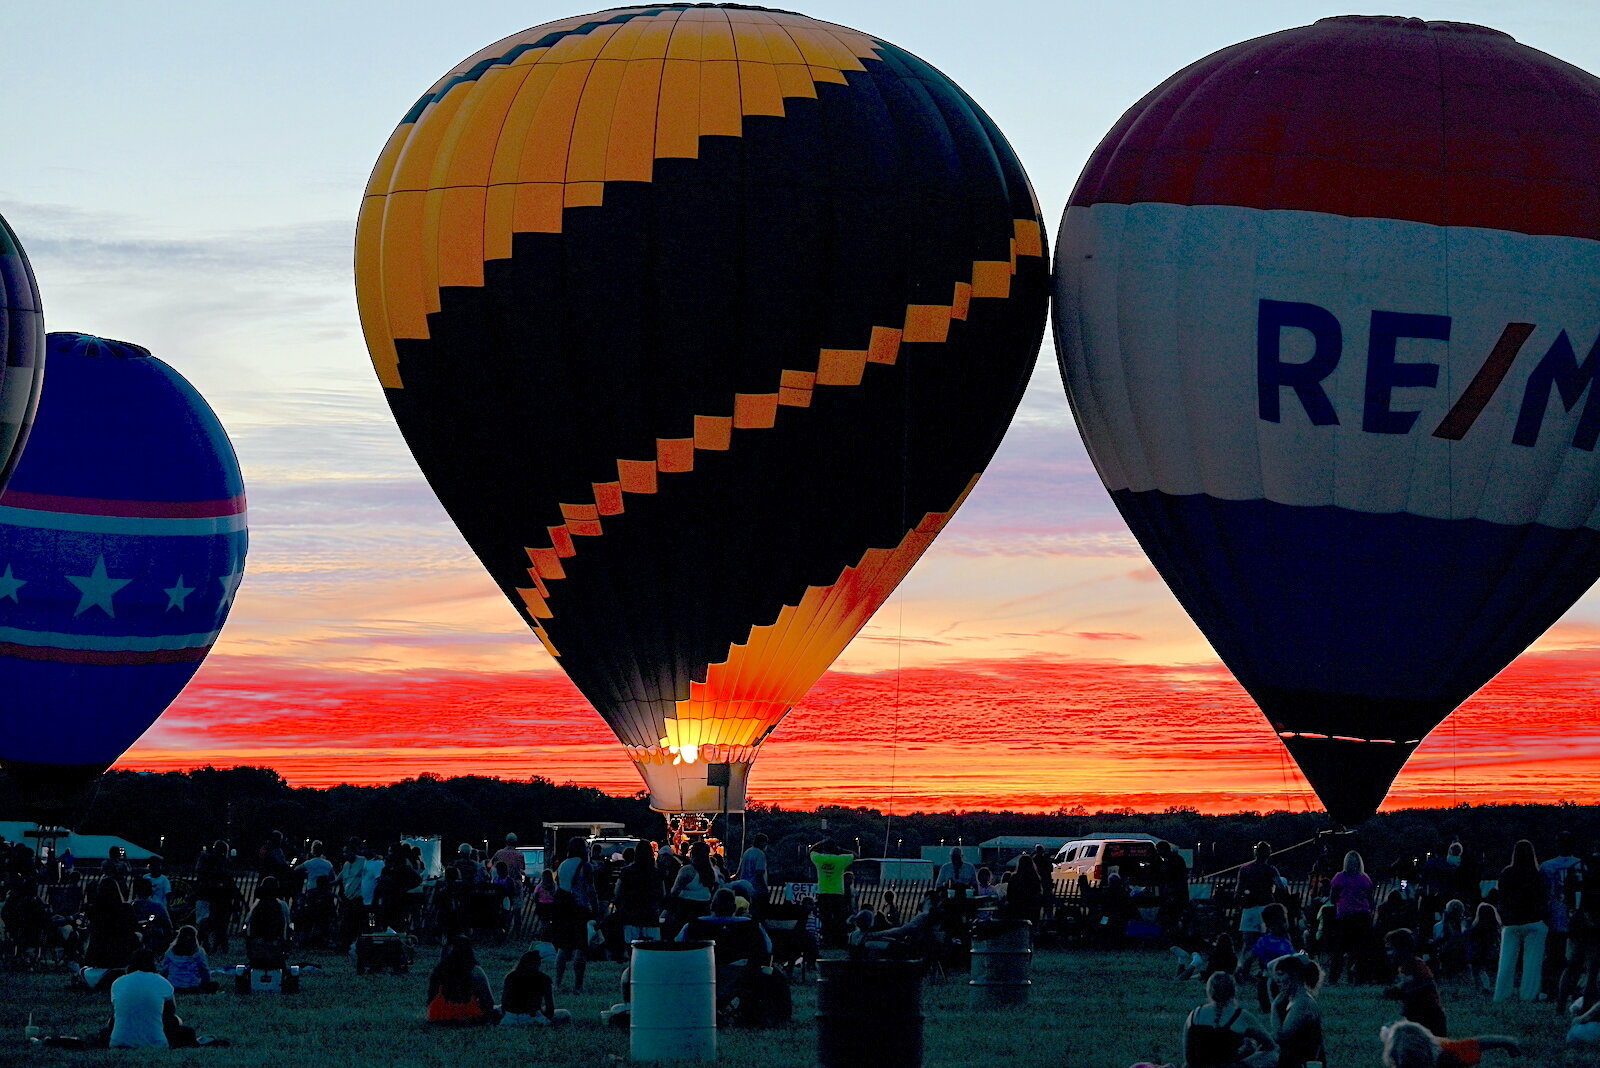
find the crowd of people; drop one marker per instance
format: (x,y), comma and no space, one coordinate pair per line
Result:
(1529,932)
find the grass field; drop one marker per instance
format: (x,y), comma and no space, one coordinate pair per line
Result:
(1087,1010)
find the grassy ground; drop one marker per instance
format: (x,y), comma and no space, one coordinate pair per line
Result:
(1087,1010)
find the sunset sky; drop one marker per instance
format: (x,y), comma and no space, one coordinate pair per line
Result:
(186,177)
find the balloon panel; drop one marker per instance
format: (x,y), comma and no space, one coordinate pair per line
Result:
(1325,315)
(21,350)
(122,541)
(701,322)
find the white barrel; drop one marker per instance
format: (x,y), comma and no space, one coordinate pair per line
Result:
(674,990)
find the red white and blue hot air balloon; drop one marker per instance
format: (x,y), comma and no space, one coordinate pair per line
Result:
(122,542)
(1327,311)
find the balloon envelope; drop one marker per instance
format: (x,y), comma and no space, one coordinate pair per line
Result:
(701,321)
(1327,314)
(122,541)
(21,350)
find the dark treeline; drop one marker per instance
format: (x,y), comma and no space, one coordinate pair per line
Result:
(189,809)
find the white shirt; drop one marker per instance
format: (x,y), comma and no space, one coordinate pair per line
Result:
(318,870)
(138,1001)
(160,887)
(369,879)
(949,875)
(753,866)
(350,876)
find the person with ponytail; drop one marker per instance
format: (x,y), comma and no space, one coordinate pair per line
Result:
(1296,1014)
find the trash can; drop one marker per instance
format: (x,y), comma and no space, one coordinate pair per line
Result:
(869,1013)
(1002,951)
(674,991)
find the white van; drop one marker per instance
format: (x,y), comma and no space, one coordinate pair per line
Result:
(1098,859)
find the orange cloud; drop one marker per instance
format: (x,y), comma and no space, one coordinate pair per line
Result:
(1032,734)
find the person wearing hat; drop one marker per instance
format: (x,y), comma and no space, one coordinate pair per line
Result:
(516,864)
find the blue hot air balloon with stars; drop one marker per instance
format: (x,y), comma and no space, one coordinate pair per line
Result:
(122,543)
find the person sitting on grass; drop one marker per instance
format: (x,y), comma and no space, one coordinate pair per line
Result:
(144,1014)
(1271,944)
(150,916)
(267,931)
(1407,1044)
(458,991)
(1414,987)
(185,965)
(1296,1014)
(1585,1029)
(527,997)
(1222,1034)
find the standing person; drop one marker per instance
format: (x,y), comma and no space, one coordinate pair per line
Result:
(1258,883)
(1353,904)
(317,896)
(216,897)
(1483,947)
(514,860)
(1583,973)
(1174,875)
(1563,877)
(830,862)
(1045,868)
(639,898)
(1438,879)
(1023,894)
(753,870)
(1414,987)
(352,913)
(1524,904)
(160,885)
(576,905)
(371,872)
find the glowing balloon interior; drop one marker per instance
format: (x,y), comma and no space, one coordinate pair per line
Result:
(701,321)
(1326,314)
(122,541)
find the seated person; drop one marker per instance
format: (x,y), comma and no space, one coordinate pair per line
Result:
(918,937)
(1414,987)
(267,929)
(185,965)
(458,991)
(861,933)
(144,1014)
(527,996)
(1222,1034)
(737,938)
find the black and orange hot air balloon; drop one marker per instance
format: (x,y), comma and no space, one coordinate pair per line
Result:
(701,321)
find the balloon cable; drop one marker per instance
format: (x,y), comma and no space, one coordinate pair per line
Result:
(894,730)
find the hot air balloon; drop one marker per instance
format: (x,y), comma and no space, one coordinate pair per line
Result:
(122,541)
(1326,311)
(21,350)
(700,321)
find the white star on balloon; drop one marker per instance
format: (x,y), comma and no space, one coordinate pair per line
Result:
(97,589)
(230,584)
(9,585)
(177,594)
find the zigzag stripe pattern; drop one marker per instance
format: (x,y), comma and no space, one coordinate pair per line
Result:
(991,280)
